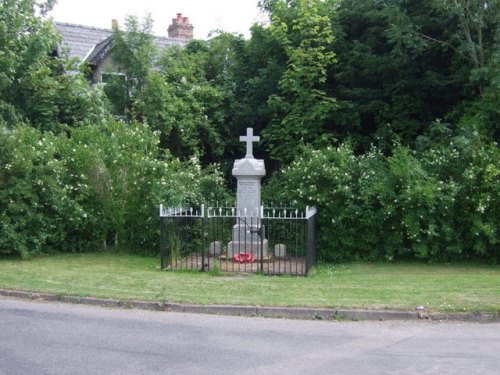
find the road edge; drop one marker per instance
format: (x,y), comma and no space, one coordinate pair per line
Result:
(307,313)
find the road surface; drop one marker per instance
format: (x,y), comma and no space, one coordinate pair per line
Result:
(52,338)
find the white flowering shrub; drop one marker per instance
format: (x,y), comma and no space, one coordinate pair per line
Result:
(440,204)
(98,185)
(129,177)
(467,173)
(37,212)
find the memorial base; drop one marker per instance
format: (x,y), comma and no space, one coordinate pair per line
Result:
(236,247)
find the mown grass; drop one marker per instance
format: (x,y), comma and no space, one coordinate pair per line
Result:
(401,286)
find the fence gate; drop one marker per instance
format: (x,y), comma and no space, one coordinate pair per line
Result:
(274,241)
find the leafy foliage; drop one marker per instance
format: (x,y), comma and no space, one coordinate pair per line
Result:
(34,86)
(171,91)
(438,204)
(409,90)
(37,212)
(102,184)
(302,106)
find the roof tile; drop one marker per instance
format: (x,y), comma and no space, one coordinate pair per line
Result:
(80,39)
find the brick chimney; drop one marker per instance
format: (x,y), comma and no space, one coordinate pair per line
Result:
(180,28)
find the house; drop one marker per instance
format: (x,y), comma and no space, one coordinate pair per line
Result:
(93,46)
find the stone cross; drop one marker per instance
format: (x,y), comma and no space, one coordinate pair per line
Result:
(249,139)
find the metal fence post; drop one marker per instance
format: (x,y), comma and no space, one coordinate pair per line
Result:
(203,237)
(162,243)
(262,235)
(311,238)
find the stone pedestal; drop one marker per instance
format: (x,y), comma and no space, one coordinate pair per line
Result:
(246,239)
(236,247)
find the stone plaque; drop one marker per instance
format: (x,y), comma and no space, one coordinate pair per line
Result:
(215,248)
(280,250)
(248,171)
(248,198)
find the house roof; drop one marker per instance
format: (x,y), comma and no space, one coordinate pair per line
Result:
(91,44)
(80,40)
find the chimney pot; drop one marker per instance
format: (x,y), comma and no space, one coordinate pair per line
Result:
(114,24)
(180,28)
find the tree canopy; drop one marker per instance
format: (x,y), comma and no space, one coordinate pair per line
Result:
(384,114)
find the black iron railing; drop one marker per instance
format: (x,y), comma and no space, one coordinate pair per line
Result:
(275,241)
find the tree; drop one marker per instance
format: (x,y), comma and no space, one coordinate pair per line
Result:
(134,54)
(34,86)
(389,86)
(474,41)
(262,64)
(172,90)
(194,119)
(302,106)
(468,34)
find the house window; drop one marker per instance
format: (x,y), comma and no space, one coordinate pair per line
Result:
(115,88)
(110,77)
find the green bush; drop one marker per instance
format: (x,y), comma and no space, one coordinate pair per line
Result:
(99,184)
(468,173)
(36,209)
(127,177)
(438,204)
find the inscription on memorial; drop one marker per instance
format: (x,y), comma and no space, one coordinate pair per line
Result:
(248,196)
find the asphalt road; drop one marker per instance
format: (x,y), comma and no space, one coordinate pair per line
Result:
(48,338)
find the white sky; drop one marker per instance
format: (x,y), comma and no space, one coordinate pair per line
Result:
(205,15)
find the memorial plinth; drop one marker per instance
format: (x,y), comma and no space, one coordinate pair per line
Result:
(249,171)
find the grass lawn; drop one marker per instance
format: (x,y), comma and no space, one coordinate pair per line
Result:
(400,286)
